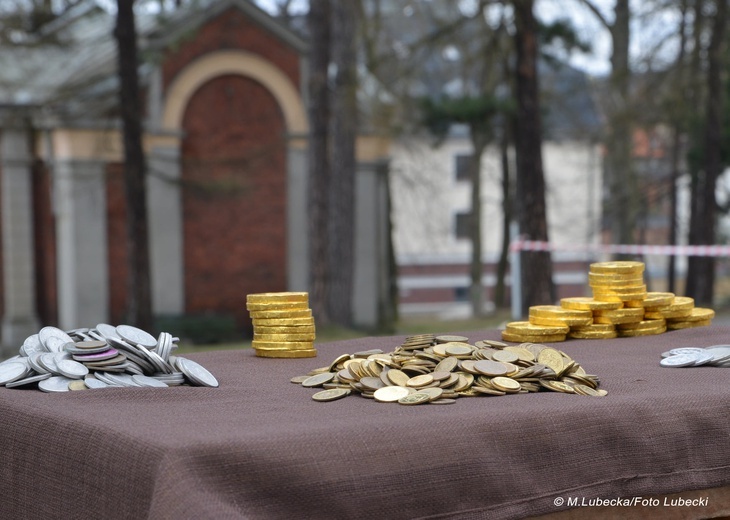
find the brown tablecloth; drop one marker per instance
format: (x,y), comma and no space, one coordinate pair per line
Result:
(259,447)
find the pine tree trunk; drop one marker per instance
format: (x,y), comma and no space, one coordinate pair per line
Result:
(537,266)
(342,181)
(139,301)
(318,20)
(701,270)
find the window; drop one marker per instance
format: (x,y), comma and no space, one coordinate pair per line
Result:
(462,225)
(461,294)
(462,163)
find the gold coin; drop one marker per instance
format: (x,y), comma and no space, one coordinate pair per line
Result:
(636,312)
(643,325)
(506,384)
(286,353)
(620,291)
(417,398)
(307,321)
(451,339)
(276,306)
(398,377)
(390,394)
(557,386)
(456,349)
(490,368)
(605,297)
(277,297)
(587,390)
(618,267)
(419,381)
(77,384)
(554,322)
(524,338)
(433,392)
(331,395)
(634,303)
(294,329)
(698,314)
(632,333)
(553,359)
(677,325)
(505,356)
(596,334)
(318,379)
(587,304)
(525,327)
(659,299)
(282,345)
(275,314)
(594,327)
(681,303)
(284,337)
(615,279)
(554,311)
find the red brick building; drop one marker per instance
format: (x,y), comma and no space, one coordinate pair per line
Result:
(225,139)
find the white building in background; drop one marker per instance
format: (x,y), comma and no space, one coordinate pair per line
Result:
(431,201)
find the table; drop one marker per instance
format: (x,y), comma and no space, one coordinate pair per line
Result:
(258,447)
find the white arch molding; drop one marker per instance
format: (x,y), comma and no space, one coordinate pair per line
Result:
(243,63)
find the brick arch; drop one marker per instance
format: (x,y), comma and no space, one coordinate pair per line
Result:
(234,193)
(238,62)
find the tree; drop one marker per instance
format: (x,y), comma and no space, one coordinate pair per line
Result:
(623,204)
(537,270)
(139,299)
(341,251)
(318,19)
(701,270)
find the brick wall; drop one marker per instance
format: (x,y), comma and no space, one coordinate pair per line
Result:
(234,196)
(230,30)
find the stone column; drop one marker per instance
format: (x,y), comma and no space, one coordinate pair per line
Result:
(19,319)
(81,237)
(371,281)
(164,210)
(297,219)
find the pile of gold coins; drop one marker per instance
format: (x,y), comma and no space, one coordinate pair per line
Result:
(439,369)
(620,307)
(283,326)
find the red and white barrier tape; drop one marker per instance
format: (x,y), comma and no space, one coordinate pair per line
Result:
(629,249)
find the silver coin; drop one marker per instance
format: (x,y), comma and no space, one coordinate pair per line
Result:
(56,344)
(32,344)
(106,330)
(703,358)
(72,369)
(121,379)
(35,364)
(196,373)
(28,380)
(136,336)
(720,353)
(53,332)
(156,360)
(13,371)
(148,381)
(686,350)
(92,382)
(679,360)
(55,384)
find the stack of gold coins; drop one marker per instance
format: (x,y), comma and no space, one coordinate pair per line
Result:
(617,281)
(526,332)
(283,325)
(620,307)
(593,330)
(681,313)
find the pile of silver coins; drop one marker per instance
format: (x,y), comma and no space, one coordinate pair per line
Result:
(714,356)
(104,356)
